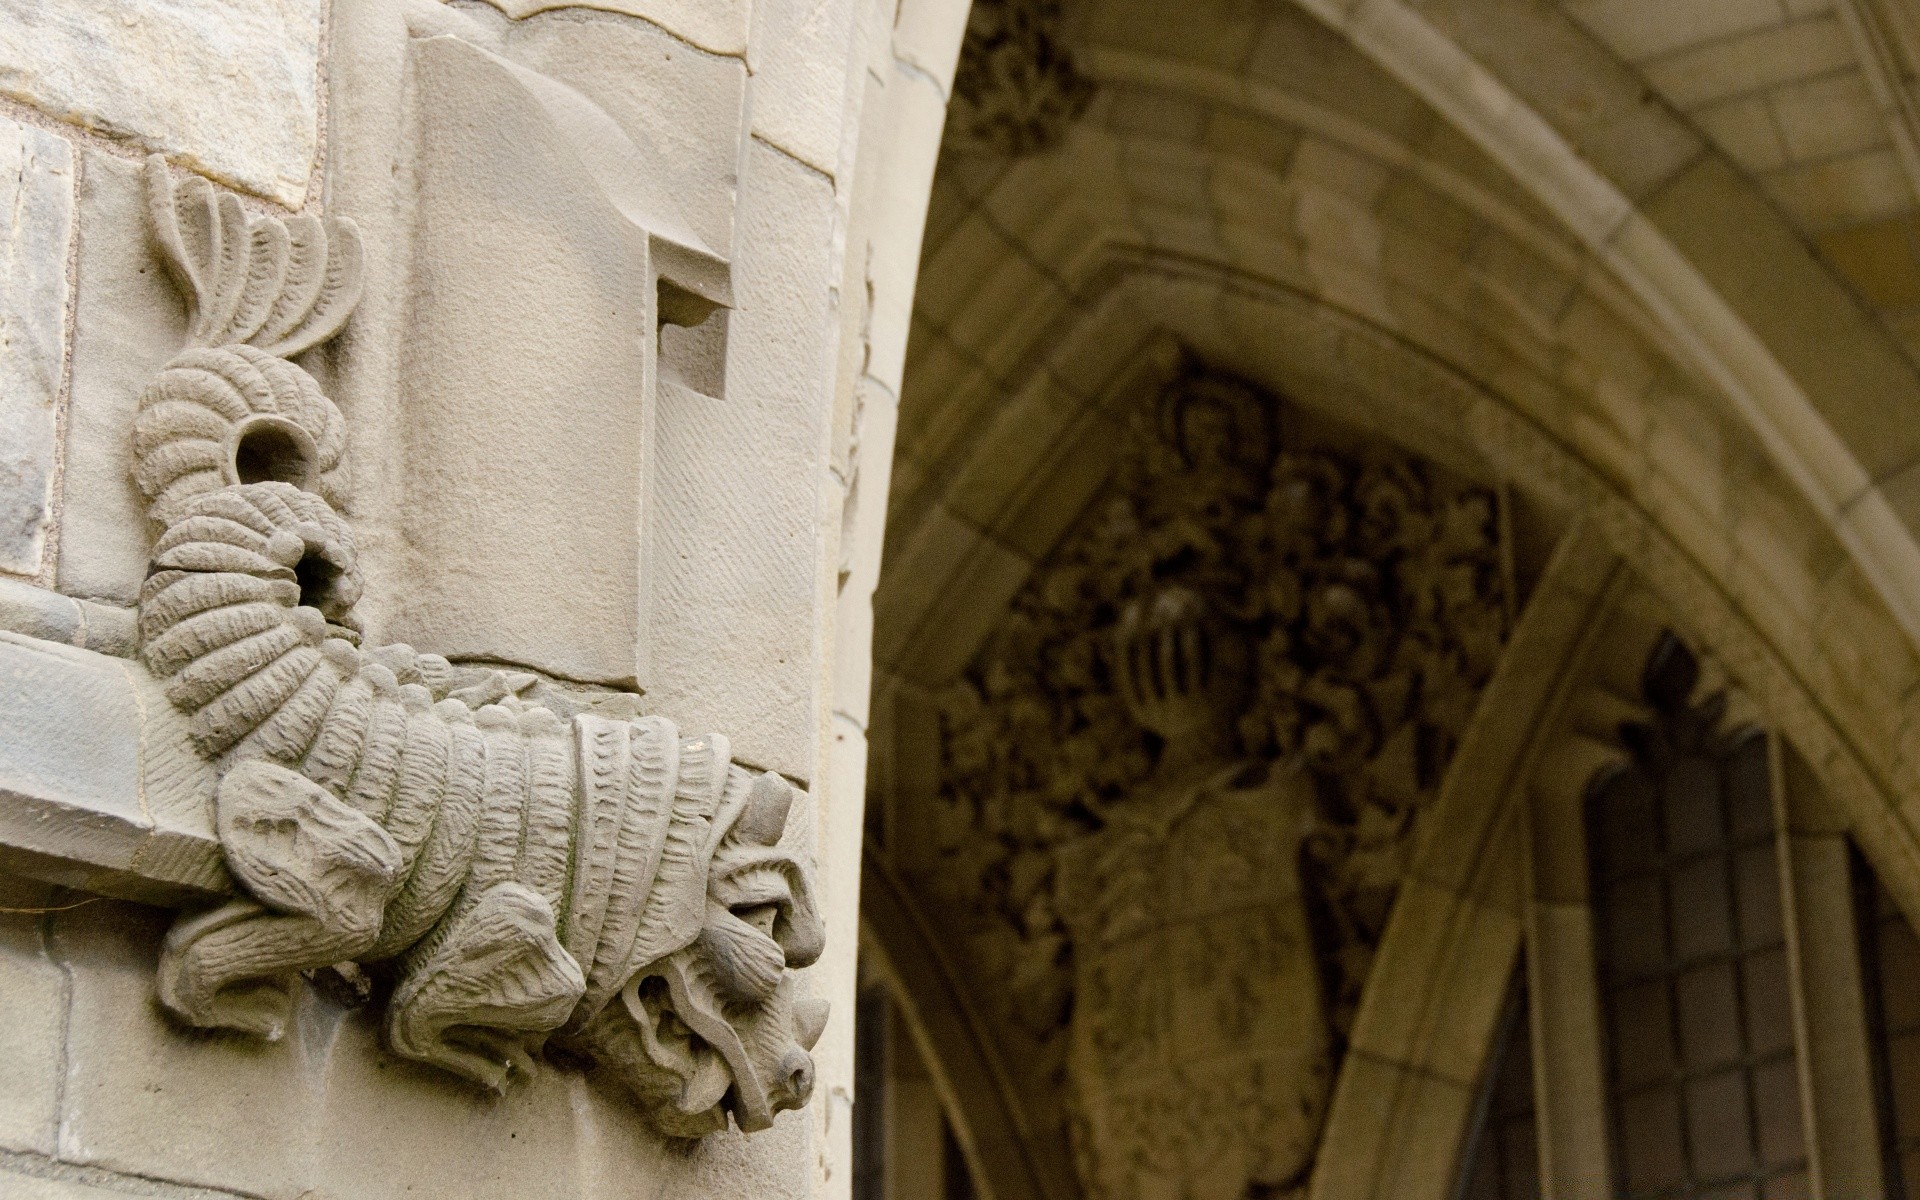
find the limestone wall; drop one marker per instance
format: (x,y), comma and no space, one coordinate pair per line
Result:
(558,463)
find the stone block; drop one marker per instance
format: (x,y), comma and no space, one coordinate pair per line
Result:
(1759,60)
(682,107)
(227,87)
(1849,368)
(520,384)
(797,51)
(736,551)
(1745,131)
(927,34)
(33,1015)
(1011,301)
(128,321)
(961,618)
(1828,117)
(1868,186)
(1154,115)
(50,616)
(1248,138)
(918,112)
(36,192)
(1023,433)
(1643,29)
(101,789)
(1062,486)
(1434,997)
(1432,1120)
(919,567)
(726,1164)
(1311,59)
(142,1098)
(1360,1127)
(718,28)
(1213,32)
(31,1179)
(1879,259)
(733,570)
(347,1120)
(950,272)
(1569,78)
(444,1139)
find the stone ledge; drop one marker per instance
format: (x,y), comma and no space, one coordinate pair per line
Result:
(100,788)
(37,613)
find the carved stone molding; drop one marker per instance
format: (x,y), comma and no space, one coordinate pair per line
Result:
(1180,787)
(498,873)
(1016,89)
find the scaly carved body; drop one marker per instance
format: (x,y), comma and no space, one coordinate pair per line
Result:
(607,880)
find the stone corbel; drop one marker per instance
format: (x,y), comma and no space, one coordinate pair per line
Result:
(508,875)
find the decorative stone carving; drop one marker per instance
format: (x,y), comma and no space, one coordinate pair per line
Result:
(1188,919)
(1016,89)
(499,872)
(1181,786)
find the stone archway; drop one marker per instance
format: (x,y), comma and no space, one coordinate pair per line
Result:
(1473,231)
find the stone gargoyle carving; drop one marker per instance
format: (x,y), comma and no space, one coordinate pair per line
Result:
(517,877)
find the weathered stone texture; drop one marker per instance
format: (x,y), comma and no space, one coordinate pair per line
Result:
(229,87)
(128,322)
(36,195)
(719,28)
(141,1110)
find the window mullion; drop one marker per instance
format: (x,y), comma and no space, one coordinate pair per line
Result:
(1568,1053)
(1829,1009)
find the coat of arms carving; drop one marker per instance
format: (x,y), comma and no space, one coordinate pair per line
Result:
(1180,786)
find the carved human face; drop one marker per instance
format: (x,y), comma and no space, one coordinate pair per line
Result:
(715,1029)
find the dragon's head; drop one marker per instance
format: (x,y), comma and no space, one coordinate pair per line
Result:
(714,1028)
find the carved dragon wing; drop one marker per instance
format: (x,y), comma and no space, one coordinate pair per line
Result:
(279,284)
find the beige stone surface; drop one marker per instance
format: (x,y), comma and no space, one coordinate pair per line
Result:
(30,1044)
(228,87)
(128,322)
(519,385)
(682,105)
(34,1179)
(349,1121)
(37,195)
(715,28)
(802,78)
(731,646)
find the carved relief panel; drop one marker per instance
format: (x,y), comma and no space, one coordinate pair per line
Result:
(1181,786)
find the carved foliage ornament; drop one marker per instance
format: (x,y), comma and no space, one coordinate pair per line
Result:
(507,874)
(1180,787)
(1016,89)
